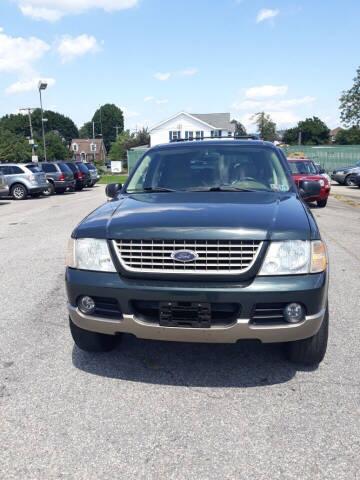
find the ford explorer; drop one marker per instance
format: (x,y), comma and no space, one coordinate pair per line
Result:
(207,241)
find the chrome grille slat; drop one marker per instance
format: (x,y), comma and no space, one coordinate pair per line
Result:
(214,256)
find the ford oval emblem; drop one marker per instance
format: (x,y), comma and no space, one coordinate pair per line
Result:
(184,256)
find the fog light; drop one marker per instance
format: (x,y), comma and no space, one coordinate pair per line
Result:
(86,305)
(294,313)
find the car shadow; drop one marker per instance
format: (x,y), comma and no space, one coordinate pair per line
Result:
(4,203)
(242,365)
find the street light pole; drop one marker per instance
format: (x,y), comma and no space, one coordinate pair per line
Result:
(29,111)
(42,86)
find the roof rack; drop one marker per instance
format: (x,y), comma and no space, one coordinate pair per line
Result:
(225,137)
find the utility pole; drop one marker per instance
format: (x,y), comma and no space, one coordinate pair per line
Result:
(31,141)
(93,125)
(300,137)
(101,123)
(42,86)
(117,131)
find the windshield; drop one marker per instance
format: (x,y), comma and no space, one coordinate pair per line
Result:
(82,167)
(207,167)
(72,167)
(90,166)
(302,167)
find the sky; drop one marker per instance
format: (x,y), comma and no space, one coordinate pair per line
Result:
(154,58)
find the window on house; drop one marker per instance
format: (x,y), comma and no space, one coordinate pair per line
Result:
(93,147)
(191,135)
(198,135)
(174,135)
(75,147)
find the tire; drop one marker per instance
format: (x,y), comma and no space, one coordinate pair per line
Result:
(321,203)
(92,341)
(35,195)
(18,191)
(60,190)
(347,181)
(310,351)
(78,189)
(49,191)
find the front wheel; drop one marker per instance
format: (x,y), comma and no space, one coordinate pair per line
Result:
(18,192)
(347,181)
(92,341)
(321,203)
(310,351)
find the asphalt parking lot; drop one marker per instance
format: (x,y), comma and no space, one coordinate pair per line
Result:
(153,410)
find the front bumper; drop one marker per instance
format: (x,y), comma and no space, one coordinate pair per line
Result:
(310,290)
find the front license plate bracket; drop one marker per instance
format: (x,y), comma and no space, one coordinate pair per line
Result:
(185,314)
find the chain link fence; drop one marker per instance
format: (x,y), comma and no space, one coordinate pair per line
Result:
(329,157)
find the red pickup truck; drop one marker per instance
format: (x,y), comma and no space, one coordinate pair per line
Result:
(304,169)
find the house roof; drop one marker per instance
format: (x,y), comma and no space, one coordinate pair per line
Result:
(219,121)
(84,144)
(335,131)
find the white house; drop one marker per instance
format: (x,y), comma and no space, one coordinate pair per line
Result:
(191,126)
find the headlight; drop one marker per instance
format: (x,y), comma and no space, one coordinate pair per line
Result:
(294,257)
(89,254)
(322,183)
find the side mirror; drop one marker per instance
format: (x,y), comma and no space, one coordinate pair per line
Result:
(309,188)
(113,189)
(322,170)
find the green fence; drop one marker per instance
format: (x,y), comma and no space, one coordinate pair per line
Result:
(329,157)
(132,158)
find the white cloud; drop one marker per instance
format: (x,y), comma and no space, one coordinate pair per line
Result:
(246,105)
(27,85)
(162,101)
(149,98)
(162,76)
(188,71)
(283,118)
(293,102)
(266,14)
(19,54)
(53,10)
(129,113)
(266,91)
(70,47)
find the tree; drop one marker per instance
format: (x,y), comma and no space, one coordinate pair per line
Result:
(127,140)
(348,137)
(106,118)
(19,124)
(313,132)
(239,128)
(350,103)
(266,127)
(14,148)
(56,148)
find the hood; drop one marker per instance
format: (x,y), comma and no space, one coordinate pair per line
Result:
(307,176)
(205,215)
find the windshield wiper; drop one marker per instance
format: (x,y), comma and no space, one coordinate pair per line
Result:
(151,190)
(226,188)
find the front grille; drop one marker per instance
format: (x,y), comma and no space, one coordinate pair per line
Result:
(212,256)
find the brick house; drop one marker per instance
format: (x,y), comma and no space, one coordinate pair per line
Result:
(333,134)
(88,150)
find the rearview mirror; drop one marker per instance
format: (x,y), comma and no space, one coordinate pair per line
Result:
(309,188)
(113,189)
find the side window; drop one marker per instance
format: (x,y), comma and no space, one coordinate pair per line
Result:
(138,180)
(16,170)
(49,168)
(6,170)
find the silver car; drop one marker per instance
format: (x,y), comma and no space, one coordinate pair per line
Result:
(342,175)
(24,180)
(4,189)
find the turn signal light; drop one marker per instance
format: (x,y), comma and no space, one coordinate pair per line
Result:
(318,256)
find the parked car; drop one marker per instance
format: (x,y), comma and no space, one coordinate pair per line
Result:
(85,173)
(59,176)
(323,172)
(208,241)
(342,175)
(304,169)
(355,179)
(24,180)
(4,189)
(80,181)
(94,174)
